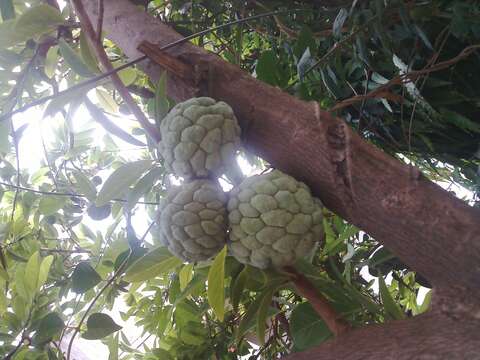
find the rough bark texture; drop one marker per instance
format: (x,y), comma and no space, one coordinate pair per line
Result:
(424,337)
(428,228)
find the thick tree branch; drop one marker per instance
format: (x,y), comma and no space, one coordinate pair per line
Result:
(423,337)
(428,228)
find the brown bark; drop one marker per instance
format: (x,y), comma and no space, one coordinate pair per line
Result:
(424,337)
(428,228)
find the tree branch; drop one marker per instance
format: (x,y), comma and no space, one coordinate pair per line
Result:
(321,305)
(428,336)
(54,193)
(109,125)
(91,82)
(93,38)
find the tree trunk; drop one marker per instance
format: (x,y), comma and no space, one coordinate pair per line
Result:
(428,228)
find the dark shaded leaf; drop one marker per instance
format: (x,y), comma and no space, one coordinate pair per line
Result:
(84,278)
(391,307)
(99,326)
(49,329)
(7,9)
(307,328)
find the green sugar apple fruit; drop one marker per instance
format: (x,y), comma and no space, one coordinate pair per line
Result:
(193,220)
(200,138)
(274,220)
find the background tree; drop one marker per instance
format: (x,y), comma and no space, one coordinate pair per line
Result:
(402,76)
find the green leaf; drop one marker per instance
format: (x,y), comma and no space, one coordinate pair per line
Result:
(143,186)
(7,9)
(3,274)
(31,274)
(50,204)
(266,68)
(99,326)
(307,328)
(8,36)
(185,275)
(84,185)
(50,328)
(305,40)
(106,101)
(339,21)
(87,54)
(216,287)
(118,182)
(391,307)
(5,127)
(460,121)
(84,278)
(154,263)
(238,285)
(248,317)
(161,102)
(113,348)
(3,303)
(51,61)
(128,75)
(34,22)
(73,59)
(44,270)
(262,314)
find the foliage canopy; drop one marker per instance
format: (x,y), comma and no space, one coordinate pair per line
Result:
(403,74)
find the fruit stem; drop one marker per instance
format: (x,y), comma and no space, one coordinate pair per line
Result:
(305,288)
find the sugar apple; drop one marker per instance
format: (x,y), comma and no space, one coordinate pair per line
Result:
(200,138)
(193,220)
(273,220)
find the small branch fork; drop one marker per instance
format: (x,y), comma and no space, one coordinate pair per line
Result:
(93,38)
(321,305)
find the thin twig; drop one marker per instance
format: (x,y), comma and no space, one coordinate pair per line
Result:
(54,193)
(321,305)
(99,29)
(408,77)
(99,116)
(22,338)
(337,46)
(93,80)
(102,56)
(66,251)
(102,290)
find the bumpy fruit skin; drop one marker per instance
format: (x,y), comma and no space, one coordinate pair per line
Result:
(200,138)
(274,220)
(193,220)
